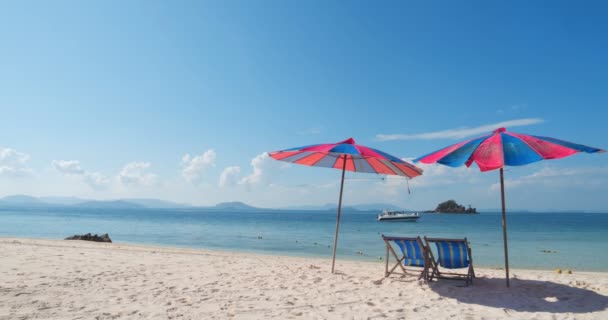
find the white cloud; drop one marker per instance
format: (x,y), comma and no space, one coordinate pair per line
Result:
(194,166)
(13,163)
(10,156)
(436,174)
(257,176)
(550,177)
(15,172)
(68,166)
(435,177)
(460,132)
(134,173)
(229,176)
(95,180)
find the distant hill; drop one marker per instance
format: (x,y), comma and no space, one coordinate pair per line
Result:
(29,201)
(21,200)
(116,204)
(157,203)
(357,207)
(377,206)
(61,201)
(326,206)
(236,205)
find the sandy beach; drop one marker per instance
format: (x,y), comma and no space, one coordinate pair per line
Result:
(59,279)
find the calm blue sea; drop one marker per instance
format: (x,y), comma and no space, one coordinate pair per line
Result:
(579,239)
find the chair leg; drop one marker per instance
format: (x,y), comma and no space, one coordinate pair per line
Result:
(386,263)
(471,273)
(436,272)
(433,271)
(424,275)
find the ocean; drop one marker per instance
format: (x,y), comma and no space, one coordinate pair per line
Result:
(576,241)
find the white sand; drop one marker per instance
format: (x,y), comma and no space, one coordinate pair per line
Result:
(48,279)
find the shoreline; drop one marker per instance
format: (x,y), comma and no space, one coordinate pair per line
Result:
(72,278)
(270,254)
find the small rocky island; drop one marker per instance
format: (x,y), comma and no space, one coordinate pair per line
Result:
(452,206)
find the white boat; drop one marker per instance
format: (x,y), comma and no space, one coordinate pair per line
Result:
(389,215)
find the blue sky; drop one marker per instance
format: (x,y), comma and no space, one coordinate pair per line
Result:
(179,100)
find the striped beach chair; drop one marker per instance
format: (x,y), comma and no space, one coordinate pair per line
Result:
(451,254)
(413,256)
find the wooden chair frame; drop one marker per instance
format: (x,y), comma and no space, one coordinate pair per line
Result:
(423,273)
(434,263)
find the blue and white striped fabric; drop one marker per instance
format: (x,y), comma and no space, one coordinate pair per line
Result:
(452,254)
(413,253)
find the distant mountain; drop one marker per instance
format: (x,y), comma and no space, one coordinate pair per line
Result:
(157,203)
(377,206)
(326,206)
(61,201)
(359,207)
(22,200)
(236,205)
(116,204)
(29,201)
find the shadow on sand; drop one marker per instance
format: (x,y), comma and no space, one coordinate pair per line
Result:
(524,295)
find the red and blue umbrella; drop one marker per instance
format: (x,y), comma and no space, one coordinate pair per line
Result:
(347,156)
(501,148)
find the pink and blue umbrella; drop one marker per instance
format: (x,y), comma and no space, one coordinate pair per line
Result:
(501,148)
(350,156)
(347,156)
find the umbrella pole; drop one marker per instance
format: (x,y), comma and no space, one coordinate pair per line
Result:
(333,261)
(504,224)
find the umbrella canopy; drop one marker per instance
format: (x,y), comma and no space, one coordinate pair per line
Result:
(351,156)
(347,156)
(501,148)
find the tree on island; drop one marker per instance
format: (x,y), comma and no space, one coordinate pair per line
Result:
(451,206)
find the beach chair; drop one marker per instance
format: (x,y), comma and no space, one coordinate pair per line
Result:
(451,254)
(413,255)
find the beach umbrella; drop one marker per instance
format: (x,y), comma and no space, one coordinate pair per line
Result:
(347,156)
(501,148)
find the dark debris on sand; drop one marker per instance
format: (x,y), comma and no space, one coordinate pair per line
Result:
(89,237)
